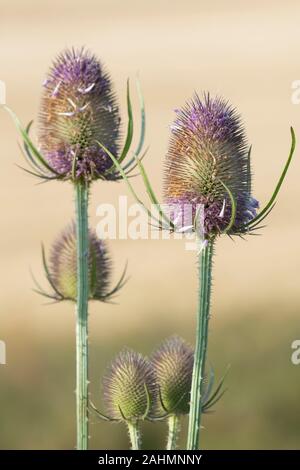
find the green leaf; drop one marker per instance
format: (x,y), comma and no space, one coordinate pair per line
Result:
(151,193)
(33,173)
(48,275)
(100,415)
(143,119)
(29,143)
(249,171)
(258,222)
(32,165)
(211,382)
(133,160)
(125,177)
(233,209)
(122,281)
(213,402)
(28,154)
(148,406)
(217,395)
(129,127)
(279,184)
(143,128)
(122,414)
(162,402)
(129,133)
(39,290)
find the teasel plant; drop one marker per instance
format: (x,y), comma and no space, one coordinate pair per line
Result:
(129,393)
(173,367)
(137,389)
(173,363)
(61,269)
(79,109)
(207,175)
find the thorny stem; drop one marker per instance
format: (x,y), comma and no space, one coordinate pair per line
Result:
(134,434)
(173,424)
(205,268)
(82,316)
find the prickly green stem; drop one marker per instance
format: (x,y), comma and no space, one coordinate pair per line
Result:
(134,434)
(173,424)
(205,268)
(81,190)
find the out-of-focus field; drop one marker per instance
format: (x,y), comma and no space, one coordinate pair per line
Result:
(260,408)
(243,52)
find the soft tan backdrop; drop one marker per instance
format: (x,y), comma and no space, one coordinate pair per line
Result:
(245,51)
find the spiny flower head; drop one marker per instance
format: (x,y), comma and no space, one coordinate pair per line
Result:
(129,387)
(207,160)
(63,266)
(173,368)
(78,109)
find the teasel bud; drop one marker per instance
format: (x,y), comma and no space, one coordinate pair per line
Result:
(129,388)
(61,271)
(78,110)
(208,165)
(173,368)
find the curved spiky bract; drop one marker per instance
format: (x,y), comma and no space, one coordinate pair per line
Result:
(63,266)
(173,367)
(78,109)
(129,388)
(207,153)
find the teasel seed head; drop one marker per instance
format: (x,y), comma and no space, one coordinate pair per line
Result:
(207,160)
(173,367)
(129,388)
(63,266)
(78,109)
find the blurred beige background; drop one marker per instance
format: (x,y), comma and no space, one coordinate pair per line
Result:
(247,52)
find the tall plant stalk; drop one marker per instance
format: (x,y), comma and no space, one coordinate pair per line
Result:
(134,435)
(205,269)
(173,425)
(81,190)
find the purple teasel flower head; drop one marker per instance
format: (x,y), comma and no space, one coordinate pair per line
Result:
(207,169)
(173,367)
(129,388)
(61,271)
(78,109)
